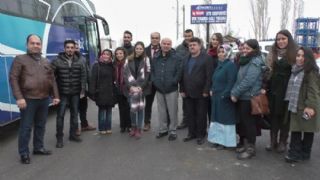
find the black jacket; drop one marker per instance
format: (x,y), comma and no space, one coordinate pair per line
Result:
(166,72)
(71,80)
(102,84)
(199,80)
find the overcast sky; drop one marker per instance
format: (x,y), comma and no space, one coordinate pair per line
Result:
(142,17)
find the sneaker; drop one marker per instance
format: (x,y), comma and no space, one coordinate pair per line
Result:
(103,132)
(88,128)
(78,132)
(132,132)
(138,134)
(59,144)
(108,132)
(146,127)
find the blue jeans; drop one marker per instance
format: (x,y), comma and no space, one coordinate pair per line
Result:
(137,118)
(35,113)
(104,118)
(73,102)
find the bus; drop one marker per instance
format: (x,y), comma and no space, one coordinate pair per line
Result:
(54,21)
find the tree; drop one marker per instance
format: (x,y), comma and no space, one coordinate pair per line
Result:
(297,12)
(261,20)
(285,9)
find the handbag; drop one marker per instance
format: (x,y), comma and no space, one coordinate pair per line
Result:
(259,105)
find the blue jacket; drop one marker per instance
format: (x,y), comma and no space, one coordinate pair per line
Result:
(249,79)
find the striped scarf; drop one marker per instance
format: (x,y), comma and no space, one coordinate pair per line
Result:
(293,89)
(136,98)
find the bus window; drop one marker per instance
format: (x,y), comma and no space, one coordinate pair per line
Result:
(93,39)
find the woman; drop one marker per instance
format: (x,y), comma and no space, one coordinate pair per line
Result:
(303,95)
(101,88)
(124,108)
(136,75)
(222,130)
(248,84)
(280,60)
(216,41)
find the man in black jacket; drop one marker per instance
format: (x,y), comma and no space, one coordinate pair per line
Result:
(127,45)
(165,75)
(71,80)
(195,87)
(151,51)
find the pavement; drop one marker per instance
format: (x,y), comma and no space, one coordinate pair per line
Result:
(120,157)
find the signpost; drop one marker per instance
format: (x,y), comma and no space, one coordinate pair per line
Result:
(209,14)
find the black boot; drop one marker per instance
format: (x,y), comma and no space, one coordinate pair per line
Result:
(273,141)
(307,145)
(248,153)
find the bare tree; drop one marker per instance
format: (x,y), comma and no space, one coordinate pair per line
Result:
(297,12)
(285,9)
(261,20)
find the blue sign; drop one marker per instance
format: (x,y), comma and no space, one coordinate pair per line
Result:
(210,13)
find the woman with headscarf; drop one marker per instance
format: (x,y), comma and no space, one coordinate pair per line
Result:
(248,84)
(303,95)
(280,59)
(222,131)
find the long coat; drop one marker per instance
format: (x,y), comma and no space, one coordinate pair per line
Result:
(223,109)
(101,86)
(278,86)
(309,96)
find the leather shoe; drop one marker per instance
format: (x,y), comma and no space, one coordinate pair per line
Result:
(172,137)
(75,138)
(182,126)
(200,141)
(59,144)
(88,128)
(290,159)
(25,159)
(160,135)
(42,152)
(188,138)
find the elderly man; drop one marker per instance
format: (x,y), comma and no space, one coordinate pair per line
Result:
(165,75)
(32,80)
(151,52)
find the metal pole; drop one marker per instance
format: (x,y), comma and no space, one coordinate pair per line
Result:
(208,34)
(184,18)
(177,19)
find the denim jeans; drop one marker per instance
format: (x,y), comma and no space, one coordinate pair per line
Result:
(73,102)
(104,118)
(137,118)
(35,113)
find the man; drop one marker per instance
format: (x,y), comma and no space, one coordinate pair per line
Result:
(165,75)
(83,103)
(195,86)
(183,51)
(151,51)
(127,39)
(32,80)
(71,80)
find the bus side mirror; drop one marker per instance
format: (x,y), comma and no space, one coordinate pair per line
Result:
(105,28)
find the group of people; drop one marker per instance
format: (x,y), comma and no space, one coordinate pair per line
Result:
(215,88)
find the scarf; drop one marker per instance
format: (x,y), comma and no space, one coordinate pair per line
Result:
(119,74)
(136,98)
(213,52)
(244,60)
(293,89)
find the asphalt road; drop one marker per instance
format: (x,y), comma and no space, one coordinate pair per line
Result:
(119,157)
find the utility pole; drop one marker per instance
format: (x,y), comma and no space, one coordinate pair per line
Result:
(184,17)
(177,19)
